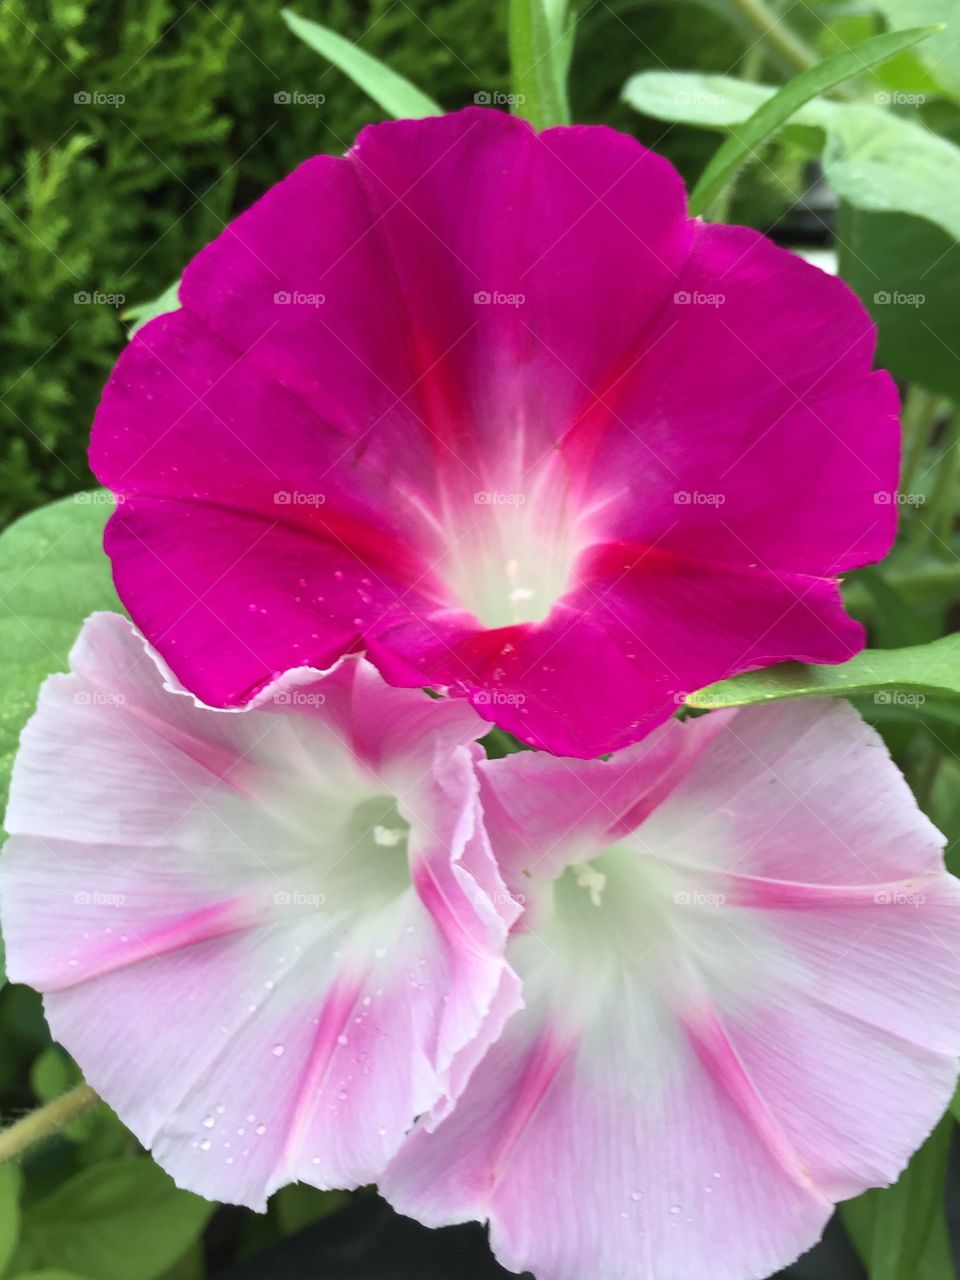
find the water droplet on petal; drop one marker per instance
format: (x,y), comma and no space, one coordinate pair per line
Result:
(279,1050)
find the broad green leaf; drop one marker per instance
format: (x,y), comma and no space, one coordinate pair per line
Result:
(57,1274)
(892,675)
(143,312)
(52,1073)
(941,56)
(541,43)
(773,114)
(297,1205)
(397,96)
(907,273)
(874,159)
(893,1228)
(9,1213)
(53,573)
(118,1220)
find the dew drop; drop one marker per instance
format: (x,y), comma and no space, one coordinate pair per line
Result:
(209,1122)
(279,1050)
(674,1208)
(260,1130)
(205,1145)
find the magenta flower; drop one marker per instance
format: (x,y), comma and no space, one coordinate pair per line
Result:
(490,407)
(271,939)
(742,987)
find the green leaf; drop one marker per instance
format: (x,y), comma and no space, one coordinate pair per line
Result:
(541,44)
(118,1220)
(9,1213)
(773,114)
(941,55)
(143,312)
(892,1228)
(397,96)
(891,675)
(907,273)
(873,159)
(297,1205)
(52,1073)
(53,573)
(56,1274)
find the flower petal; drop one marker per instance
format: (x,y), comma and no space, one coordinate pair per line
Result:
(270,938)
(486,404)
(749,1011)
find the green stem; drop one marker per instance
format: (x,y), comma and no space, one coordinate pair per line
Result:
(775,33)
(944,513)
(935,526)
(45,1122)
(917,584)
(921,410)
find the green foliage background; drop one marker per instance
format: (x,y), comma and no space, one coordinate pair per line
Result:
(112,197)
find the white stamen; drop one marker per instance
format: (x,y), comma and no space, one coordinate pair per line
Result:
(592,880)
(388,837)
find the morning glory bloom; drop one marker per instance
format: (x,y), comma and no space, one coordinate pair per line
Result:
(270,938)
(488,406)
(742,985)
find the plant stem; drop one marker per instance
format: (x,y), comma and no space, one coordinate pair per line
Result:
(921,409)
(16,1139)
(945,486)
(776,33)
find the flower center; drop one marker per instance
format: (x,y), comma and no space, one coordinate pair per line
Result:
(511,551)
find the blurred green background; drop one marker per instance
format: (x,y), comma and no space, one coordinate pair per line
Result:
(129,134)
